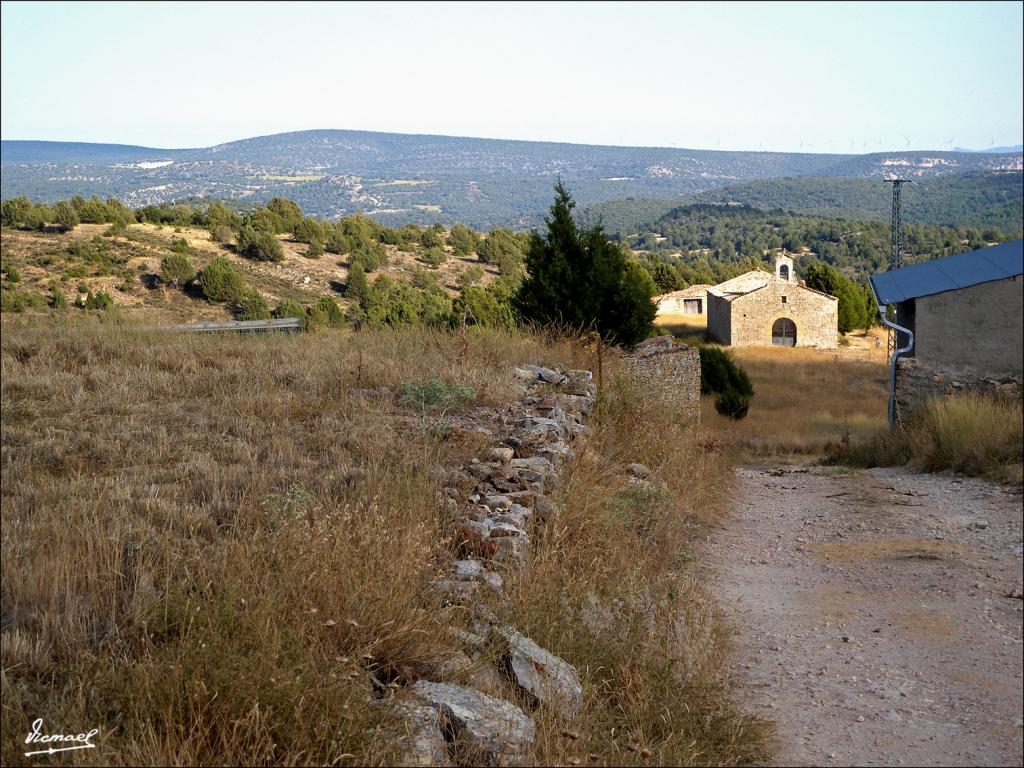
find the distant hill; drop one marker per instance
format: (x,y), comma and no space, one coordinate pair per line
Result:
(990,200)
(710,242)
(77,152)
(415,178)
(994,150)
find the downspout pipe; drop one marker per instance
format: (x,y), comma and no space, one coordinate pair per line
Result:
(895,355)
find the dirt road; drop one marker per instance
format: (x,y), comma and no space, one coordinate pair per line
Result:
(877,613)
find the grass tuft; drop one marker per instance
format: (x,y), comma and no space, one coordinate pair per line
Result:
(968,432)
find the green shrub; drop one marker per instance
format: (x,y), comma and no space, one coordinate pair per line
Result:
(499,244)
(430,239)
(434,257)
(470,277)
(99,300)
(13,275)
(401,304)
(719,373)
(357,287)
(177,270)
(489,307)
(422,395)
(12,301)
(181,246)
(463,240)
(220,282)
(337,242)
(326,312)
(259,244)
(307,230)
(221,233)
(65,216)
(314,250)
(291,308)
(371,256)
(732,403)
(252,306)
(57,298)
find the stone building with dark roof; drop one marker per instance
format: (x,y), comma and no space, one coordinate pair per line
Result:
(960,324)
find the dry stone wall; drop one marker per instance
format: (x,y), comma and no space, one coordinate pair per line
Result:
(497,505)
(668,370)
(917,382)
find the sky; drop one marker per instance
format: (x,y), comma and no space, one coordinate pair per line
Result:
(817,77)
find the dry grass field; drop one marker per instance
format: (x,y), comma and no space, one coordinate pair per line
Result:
(209,543)
(806,401)
(682,325)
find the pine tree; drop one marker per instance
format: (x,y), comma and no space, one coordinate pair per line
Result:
(578,280)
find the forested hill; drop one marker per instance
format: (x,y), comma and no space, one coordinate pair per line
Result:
(413,178)
(991,200)
(712,242)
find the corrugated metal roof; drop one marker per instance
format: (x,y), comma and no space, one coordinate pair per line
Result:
(960,271)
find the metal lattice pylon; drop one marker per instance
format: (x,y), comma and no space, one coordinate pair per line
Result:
(895,248)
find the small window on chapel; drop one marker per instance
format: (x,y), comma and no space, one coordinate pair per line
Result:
(785,300)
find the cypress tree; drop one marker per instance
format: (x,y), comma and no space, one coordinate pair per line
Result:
(577,280)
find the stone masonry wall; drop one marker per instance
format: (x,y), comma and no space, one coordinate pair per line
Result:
(719,312)
(917,381)
(816,316)
(669,370)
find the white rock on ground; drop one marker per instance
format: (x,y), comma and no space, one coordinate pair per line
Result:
(423,741)
(496,731)
(543,675)
(639,470)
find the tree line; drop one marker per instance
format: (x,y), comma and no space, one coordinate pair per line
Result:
(574,278)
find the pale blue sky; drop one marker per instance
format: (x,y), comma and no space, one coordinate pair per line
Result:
(814,76)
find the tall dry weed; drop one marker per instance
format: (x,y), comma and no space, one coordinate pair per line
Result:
(968,432)
(613,587)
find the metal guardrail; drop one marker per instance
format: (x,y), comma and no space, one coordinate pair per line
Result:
(252,326)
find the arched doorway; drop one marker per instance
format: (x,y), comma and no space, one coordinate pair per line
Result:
(784,271)
(784,332)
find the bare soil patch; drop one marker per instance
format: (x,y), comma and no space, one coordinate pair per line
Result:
(877,614)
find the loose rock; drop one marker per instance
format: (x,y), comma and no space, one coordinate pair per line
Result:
(546,677)
(494,730)
(424,741)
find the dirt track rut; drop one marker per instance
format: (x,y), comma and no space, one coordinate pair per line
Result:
(877,614)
